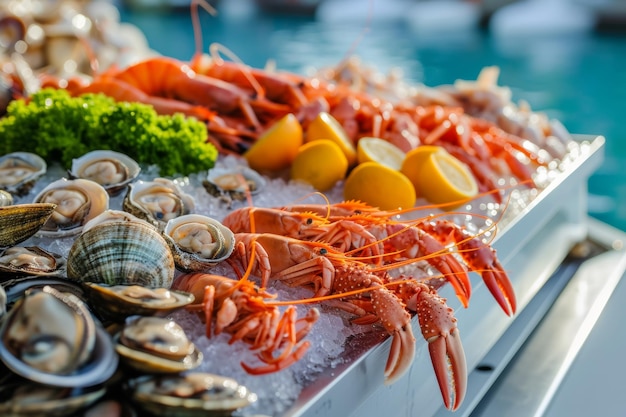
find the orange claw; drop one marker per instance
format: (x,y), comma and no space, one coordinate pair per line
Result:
(283,363)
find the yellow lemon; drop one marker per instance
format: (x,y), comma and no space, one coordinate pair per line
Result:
(380,151)
(325,126)
(444,179)
(277,147)
(414,162)
(320,163)
(379,186)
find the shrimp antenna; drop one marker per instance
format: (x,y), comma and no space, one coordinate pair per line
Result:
(195,20)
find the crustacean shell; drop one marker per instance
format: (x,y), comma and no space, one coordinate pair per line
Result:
(78,201)
(30,260)
(6,198)
(157,201)
(233,183)
(113,170)
(50,337)
(198,242)
(118,302)
(19,171)
(189,395)
(114,249)
(156,345)
(21,221)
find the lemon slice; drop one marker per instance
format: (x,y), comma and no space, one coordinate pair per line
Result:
(379,186)
(325,126)
(444,179)
(277,147)
(380,151)
(414,162)
(320,163)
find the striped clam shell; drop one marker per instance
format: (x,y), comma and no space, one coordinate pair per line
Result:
(121,252)
(21,221)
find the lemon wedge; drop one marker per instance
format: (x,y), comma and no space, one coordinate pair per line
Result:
(380,151)
(414,162)
(325,126)
(320,163)
(444,179)
(379,186)
(277,147)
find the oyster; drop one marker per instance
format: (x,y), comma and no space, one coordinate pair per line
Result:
(157,201)
(78,201)
(30,260)
(19,171)
(118,302)
(198,242)
(191,394)
(21,221)
(116,248)
(157,345)
(233,183)
(6,198)
(113,170)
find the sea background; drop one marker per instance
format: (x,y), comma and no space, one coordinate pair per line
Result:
(577,77)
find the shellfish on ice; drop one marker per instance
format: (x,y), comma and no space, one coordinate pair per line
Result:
(19,171)
(113,170)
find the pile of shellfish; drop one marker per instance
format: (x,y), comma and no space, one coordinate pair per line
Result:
(79,327)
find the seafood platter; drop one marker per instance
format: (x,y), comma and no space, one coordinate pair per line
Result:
(239,290)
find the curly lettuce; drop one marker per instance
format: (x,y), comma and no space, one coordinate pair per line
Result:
(59,127)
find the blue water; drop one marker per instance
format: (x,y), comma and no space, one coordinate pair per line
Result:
(579,79)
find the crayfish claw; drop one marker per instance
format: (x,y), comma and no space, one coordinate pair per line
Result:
(500,287)
(448,358)
(401,354)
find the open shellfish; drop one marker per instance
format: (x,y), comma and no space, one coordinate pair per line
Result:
(78,201)
(233,183)
(114,249)
(157,201)
(113,170)
(21,221)
(198,242)
(19,171)
(30,260)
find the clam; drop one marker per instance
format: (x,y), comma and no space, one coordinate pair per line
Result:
(21,221)
(198,242)
(157,201)
(33,399)
(156,345)
(6,198)
(189,395)
(233,183)
(117,302)
(116,248)
(16,288)
(30,260)
(19,171)
(113,170)
(50,337)
(78,201)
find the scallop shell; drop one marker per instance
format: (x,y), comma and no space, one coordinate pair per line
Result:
(198,242)
(19,171)
(78,201)
(233,183)
(113,170)
(121,252)
(157,201)
(21,221)
(30,260)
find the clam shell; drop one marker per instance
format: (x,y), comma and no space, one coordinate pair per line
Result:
(6,198)
(121,252)
(20,222)
(30,260)
(214,394)
(19,171)
(113,170)
(78,201)
(233,182)
(198,242)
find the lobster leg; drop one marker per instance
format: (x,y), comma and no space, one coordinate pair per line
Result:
(438,327)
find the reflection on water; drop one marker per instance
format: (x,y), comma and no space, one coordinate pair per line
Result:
(578,79)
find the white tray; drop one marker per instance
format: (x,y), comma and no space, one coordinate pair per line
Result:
(531,246)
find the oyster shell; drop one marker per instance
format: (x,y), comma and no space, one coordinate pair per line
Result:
(113,170)
(78,201)
(233,183)
(157,201)
(198,242)
(156,345)
(19,171)
(191,394)
(30,260)
(118,248)
(118,302)
(21,221)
